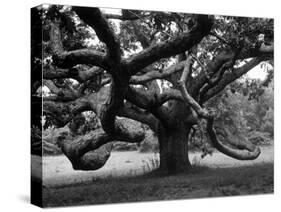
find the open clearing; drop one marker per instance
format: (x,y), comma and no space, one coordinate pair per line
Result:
(125,178)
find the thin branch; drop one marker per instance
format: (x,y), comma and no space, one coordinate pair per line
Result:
(213,82)
(186,96)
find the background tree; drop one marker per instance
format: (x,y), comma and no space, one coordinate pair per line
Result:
(160,69)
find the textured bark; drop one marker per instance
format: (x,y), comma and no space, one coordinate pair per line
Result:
(230,77)
(80,158)
(171,47)
(80,73)
(68,59)
(243,151)
(91,151)
(174,149)
(94,18)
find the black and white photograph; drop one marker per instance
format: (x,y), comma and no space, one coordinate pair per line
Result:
(133,105)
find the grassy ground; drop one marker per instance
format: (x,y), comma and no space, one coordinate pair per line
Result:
(57,170)
(198,183)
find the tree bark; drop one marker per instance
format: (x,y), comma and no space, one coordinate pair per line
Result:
(174,149)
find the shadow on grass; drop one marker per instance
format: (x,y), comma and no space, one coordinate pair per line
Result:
(198,182)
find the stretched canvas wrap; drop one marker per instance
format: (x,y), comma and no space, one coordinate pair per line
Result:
(130,105)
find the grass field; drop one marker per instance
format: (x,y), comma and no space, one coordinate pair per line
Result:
(128,177)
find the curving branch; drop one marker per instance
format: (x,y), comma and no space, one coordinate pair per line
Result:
(68,59)
(251,152)
(62,94)
(169,94)
(81,56)
(94,18)
(148,101)
(91,151)
(214,81)
(170,47)
(64,112)
(228,56)
(157,74)
(80,73)
(135,113)
(186,96)
(261,51)
(230,77)
(224,57)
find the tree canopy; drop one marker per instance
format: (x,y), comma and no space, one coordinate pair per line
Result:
(135,68)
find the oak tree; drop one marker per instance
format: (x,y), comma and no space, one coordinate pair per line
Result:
(135,68)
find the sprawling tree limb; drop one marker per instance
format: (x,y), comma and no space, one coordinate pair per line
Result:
(186,96)
(230,77)
(135,113)
(252,151)
(171,47)
(64,112)
(214,81)
(263,50)
(228,56)
(68,59)
(212,68)
(149,102)
(81,56)
(80,73)
(81,156)
(169,94)
(94,18)
(63,95)
(91,151)
(157,74)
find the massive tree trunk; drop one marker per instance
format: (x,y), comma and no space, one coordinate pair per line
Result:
(174,148)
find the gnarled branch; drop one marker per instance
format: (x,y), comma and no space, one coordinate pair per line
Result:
(155,74)
(68,59)
(135,113)
(80,73)
(244,151)
(94,18)
(91,151)
(252,151)
(230,77)
(171,47)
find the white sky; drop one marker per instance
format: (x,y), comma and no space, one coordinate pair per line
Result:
(257,73)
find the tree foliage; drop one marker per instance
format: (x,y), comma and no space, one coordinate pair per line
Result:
(158,69)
